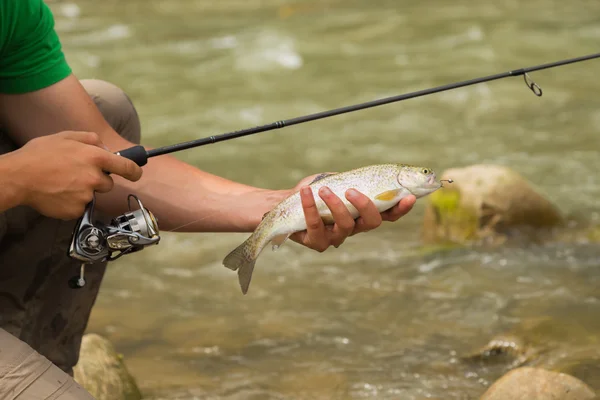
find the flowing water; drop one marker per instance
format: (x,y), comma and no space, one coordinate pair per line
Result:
(375,318)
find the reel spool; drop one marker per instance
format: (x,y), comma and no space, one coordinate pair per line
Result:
(128,233)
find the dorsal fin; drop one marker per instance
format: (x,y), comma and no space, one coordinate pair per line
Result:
(321,176)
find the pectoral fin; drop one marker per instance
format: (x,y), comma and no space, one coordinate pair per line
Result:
(388,195)
(277,241)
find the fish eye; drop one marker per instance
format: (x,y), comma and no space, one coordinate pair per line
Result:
(425,171)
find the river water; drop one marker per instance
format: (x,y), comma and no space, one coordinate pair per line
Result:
(376,318)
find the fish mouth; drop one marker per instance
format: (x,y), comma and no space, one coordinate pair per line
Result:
(433,183)
(431,186)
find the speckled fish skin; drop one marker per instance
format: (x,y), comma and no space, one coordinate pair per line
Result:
(384,184)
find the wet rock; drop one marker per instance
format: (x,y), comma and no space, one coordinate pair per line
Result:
(505,349)
(544,341)
(487,202)
(528,383)
(101,371)
(567,343)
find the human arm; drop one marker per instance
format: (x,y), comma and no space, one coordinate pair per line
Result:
(180,195)
(40,96)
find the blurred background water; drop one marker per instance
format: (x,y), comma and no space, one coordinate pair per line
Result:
(375,318)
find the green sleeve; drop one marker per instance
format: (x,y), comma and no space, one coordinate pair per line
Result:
(31,55)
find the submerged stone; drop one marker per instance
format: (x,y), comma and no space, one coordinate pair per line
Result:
(102,372)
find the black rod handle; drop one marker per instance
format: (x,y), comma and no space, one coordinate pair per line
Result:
(137,154)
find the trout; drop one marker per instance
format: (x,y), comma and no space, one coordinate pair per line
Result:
(384,184)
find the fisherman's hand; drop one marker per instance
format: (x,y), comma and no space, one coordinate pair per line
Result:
(320,237)
(58,174)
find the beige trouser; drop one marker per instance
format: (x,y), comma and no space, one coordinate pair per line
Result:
(36,304)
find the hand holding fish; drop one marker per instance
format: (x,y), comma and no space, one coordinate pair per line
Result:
(326,210)
(319,236)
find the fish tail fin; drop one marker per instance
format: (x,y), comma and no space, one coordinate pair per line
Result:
(243,258)
(245,275)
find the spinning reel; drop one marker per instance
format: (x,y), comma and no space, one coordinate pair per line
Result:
(94,241)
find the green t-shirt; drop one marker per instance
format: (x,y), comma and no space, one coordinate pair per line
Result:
(31,55)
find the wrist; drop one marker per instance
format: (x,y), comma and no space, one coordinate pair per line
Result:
(13,191)
(266,201)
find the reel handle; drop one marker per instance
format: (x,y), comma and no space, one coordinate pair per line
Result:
(137,154)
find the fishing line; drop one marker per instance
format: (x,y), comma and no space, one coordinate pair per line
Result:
(140,155)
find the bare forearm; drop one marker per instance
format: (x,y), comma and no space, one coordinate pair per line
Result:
(186,199)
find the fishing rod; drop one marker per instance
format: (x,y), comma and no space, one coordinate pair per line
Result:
(93,241)
(140,155)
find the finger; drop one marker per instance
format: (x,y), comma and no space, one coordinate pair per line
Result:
(119,165)
(104,184)
(344,223)
(400,209)
(90,138)
(316,237)
(370,217)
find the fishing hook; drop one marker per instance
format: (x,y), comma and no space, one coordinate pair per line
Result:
(535,88)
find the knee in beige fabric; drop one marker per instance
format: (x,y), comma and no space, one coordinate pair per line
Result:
(25,374)
(116,107)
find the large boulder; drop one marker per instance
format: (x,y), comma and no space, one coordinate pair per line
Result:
(101,371)
(528,383)
(487,203)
